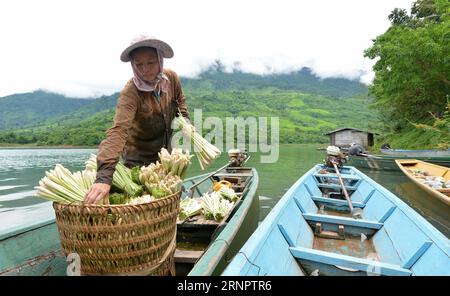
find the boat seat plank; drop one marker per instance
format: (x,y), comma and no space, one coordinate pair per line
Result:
(233,175)
(187,256)
(336,186)
(343,221)
(344,176)
(337,202)
(348,261)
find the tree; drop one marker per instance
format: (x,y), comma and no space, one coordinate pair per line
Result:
(399,17)
(440,126)
(425,9)
(413,66)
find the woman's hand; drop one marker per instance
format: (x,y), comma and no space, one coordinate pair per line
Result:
(97,192)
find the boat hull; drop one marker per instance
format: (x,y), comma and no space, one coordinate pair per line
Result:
(302,235)
(407,164)
(399,153)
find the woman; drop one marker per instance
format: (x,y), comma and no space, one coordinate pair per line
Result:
(144,113)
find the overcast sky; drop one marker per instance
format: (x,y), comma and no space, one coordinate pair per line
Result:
(73,47)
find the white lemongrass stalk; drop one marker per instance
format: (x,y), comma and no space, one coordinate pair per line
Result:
(62,186)
(175,163)
(214,206)
(68,179)
(44,192)
(91,163)
(206,151)
(189,207)
(57,188)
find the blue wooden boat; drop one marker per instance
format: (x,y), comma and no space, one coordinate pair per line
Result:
(311,232)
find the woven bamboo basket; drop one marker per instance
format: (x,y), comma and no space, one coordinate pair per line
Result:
(121,239)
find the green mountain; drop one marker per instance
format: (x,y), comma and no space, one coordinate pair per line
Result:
(306,106)
(303,80)
(40,108)
(35,108)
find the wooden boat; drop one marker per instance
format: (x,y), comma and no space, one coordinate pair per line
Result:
(419,171)
(387,162)
(401,153)
(310,232)
(34,249)
(204,247)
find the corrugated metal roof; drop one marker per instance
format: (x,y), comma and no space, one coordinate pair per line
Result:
(350,128)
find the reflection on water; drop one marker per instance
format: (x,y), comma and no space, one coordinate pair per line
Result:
(10,187)
(21,170)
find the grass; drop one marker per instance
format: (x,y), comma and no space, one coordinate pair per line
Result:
(410,138)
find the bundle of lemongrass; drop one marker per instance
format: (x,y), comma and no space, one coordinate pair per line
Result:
(215,207)
(158,182)
(228,193)
(189,207)
(175,163)
(62,186)
(122,177)
(205,151)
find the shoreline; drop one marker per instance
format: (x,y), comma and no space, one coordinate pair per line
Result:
(26,146)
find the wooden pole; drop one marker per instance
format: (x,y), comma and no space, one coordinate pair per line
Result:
(343,187)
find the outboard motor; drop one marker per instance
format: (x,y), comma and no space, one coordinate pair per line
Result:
(336,159)
(334,155)
(237,157)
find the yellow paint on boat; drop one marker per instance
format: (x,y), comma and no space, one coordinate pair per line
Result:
(408,166)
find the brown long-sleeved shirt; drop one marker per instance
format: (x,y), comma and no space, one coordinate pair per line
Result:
(142,126)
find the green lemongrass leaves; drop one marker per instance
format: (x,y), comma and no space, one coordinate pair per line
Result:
(123,180)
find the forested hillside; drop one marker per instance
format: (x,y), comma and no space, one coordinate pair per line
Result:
(411,89)
(306,106)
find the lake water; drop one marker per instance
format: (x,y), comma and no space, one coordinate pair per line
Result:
(21,170)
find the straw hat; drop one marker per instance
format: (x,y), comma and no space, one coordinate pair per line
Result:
(147,41)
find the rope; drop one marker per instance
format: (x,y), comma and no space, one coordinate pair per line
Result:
(228,260)
(248,260)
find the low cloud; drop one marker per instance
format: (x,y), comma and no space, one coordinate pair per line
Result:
(73,47)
